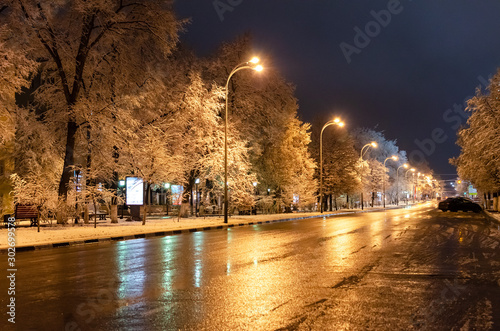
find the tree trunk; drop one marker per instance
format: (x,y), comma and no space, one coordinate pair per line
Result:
(191,201)
(146,202)
(113,212)
(86,213)
(95,213)
(67,168)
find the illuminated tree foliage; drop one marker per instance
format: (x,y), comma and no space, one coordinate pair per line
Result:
(110,92)
(91,52)
(479,140)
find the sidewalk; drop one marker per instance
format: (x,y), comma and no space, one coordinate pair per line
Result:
(51,236)
(495,215)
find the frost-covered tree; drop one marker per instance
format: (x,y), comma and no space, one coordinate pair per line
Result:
(340,161)
(479,140)
(374,179)
(385,148)
(263,113)
(287,167)
(93,51)
(37,160)
(15,72)
(173,137)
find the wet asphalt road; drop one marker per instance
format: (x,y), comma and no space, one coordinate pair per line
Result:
(405,269)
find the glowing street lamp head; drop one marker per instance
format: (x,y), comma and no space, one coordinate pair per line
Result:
(254,60)
(374,144)
(341,124)
(258,68)
(337,120)
(413,170)
(406,165)
(395,157)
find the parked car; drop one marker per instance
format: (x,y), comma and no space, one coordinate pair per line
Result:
(459,203)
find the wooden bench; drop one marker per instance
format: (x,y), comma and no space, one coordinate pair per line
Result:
(27,212)
(100,214)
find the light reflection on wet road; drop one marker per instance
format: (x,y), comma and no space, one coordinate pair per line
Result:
(414,268)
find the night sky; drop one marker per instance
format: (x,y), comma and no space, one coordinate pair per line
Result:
(420,61)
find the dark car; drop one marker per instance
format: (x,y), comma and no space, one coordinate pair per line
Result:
(456,204)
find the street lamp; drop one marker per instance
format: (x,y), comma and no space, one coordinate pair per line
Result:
(121,184)
(197,204)
(339,123)
(417,182)
(397,181)
(394,158)
(167,196)
(252,64)
(367,146)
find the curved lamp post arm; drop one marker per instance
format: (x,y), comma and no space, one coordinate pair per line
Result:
(363,153)
(337,122)
(241,66)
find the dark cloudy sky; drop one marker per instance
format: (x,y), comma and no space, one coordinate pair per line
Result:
(430,56)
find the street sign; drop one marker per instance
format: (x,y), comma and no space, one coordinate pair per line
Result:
(472,190)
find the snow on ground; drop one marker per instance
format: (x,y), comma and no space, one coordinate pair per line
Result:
(494,214)
(54,233)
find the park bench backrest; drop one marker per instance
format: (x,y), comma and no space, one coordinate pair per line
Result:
(26,211)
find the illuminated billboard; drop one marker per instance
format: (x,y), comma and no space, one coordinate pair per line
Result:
(134,191)
(177,191)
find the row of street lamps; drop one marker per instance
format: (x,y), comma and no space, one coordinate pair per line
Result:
(253,64)
(364,150)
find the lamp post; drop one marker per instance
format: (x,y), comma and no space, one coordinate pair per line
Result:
(332,122)
(254,208)
(367,146)
(406,173)
(197,204)
(397,181)
(414,187)
(417,182)
(394,158)
(167,196)
(252,64)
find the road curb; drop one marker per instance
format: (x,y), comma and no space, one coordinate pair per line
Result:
(181,231)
